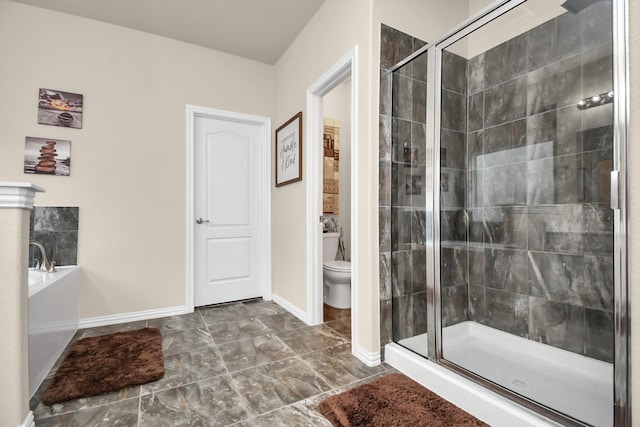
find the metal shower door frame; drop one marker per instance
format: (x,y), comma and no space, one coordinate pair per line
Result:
(621,410)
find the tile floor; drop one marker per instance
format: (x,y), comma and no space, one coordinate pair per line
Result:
(248,363)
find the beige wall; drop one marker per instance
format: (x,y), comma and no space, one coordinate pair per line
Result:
(335,29)
(128,173)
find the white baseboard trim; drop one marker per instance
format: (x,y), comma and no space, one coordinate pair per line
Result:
(92,322)
(368,358)
(29,421)
(290,308)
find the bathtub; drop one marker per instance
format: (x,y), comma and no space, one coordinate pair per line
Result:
(53,319)
(576,385)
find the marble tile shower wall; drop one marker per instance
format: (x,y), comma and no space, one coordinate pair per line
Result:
(403,300)
(57,229)
(540,229)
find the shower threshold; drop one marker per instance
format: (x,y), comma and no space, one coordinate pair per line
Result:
(575,385)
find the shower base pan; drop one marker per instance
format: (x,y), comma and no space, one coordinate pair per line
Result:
(574,385)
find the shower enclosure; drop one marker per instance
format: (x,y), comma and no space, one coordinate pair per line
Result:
(507,206)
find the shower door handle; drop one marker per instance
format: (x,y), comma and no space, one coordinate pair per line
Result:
(615,189)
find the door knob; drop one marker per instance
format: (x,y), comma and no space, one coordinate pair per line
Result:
(200,220)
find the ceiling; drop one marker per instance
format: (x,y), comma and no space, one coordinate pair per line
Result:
(256,29)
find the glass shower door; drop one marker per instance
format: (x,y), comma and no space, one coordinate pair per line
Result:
(408,205)
(526,243)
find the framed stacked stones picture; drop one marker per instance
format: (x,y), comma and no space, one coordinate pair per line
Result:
(47,156)
(58,108)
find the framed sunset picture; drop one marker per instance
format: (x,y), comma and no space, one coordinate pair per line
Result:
(58,108)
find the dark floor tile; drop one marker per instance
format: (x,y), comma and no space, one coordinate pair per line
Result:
(338,367)
(119,413)
(213,402)
(43,411)
(215,313)
(312,338)
(224,331)
(341,326)
(177,323)
(257,307)
(298,415)
(282,322)
(181,341)
(188,367)
(278,384)
(268,384)
(253,352)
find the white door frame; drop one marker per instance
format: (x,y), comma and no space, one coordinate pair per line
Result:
(346,67)
(194,111)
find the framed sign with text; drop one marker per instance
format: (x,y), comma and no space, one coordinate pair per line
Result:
(289,151)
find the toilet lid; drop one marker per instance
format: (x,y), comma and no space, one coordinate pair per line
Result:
(337,265)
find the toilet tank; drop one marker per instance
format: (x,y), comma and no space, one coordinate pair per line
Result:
(330,246)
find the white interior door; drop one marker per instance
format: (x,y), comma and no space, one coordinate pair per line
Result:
(228,210)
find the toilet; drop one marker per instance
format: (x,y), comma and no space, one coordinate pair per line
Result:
(336,274)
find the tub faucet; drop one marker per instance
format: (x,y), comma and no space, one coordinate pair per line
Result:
(44,263)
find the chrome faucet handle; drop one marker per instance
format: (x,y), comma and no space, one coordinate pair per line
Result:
(37,261)
(44,264)
(52,269)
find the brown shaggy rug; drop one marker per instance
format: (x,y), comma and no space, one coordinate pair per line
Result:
(107,363)
(394,400)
